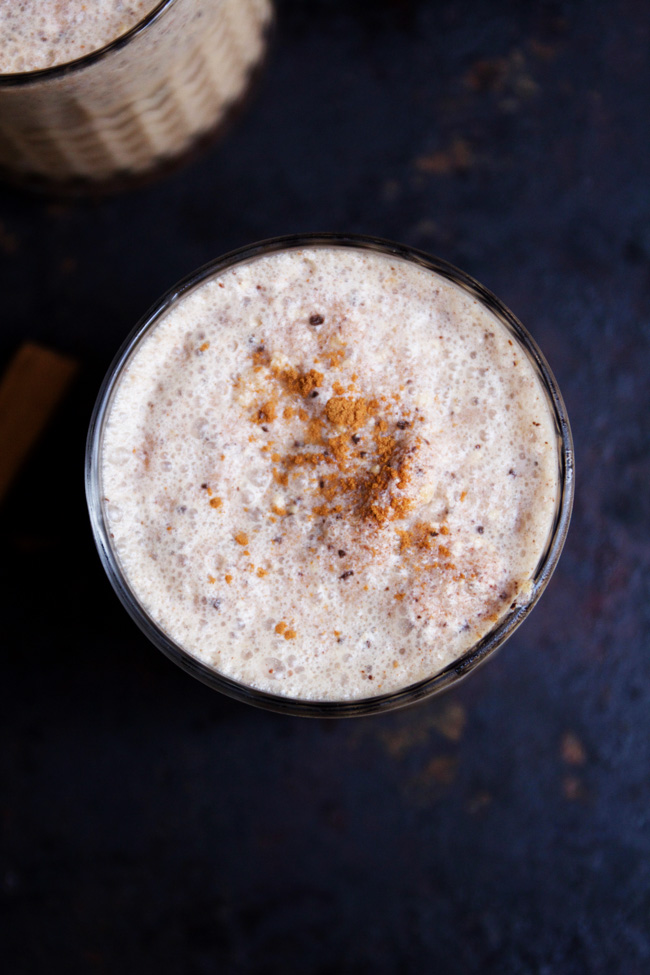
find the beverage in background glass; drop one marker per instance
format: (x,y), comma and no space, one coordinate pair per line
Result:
(94,93)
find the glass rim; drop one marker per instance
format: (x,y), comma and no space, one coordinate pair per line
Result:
(355,707)
(17,79)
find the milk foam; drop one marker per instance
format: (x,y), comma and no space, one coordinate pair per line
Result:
(41,33)
(367,570)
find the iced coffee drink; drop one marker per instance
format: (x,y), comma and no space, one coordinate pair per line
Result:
(330,470)
(93,92)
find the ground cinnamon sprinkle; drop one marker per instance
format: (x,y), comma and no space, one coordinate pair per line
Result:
(401,507)
(297,383)
(266,413)
(344,411)
(313,434)
(339,448)
(261,357)
(360,471)
(241,538)
(335,358)
(280,627)
(421,536)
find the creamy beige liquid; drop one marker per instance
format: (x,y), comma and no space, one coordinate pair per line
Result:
(328,472)
(134,107)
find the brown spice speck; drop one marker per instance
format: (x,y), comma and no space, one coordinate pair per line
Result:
(261,357)
(300,384)
(400,507)
(266,413)
(345,411)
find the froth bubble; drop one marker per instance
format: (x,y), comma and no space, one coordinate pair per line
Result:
(259,478)
(119,456)
(200,428)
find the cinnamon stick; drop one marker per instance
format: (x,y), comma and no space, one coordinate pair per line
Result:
(33,385)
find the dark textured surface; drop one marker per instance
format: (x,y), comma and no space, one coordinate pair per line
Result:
(151,825)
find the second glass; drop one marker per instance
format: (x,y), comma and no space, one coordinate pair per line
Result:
(139,101)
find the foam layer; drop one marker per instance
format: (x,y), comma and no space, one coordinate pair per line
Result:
(41,33)
(328,472)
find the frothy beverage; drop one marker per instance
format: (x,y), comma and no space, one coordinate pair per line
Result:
(39,34)
(132,106)
(328,471)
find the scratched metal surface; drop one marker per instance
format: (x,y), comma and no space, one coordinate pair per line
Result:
(151,825)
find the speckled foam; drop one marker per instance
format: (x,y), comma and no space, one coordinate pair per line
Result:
(42,33)
(240,551)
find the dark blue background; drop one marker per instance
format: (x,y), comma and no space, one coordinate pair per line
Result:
(150,825)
